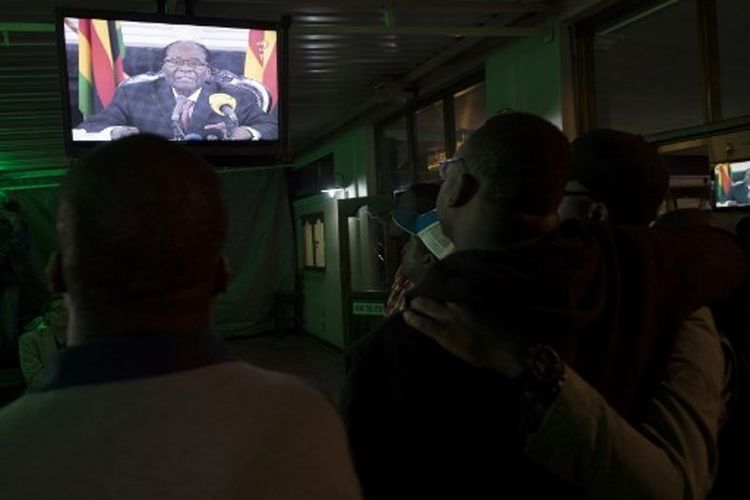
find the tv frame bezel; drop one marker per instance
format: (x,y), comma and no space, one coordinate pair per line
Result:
(222,153)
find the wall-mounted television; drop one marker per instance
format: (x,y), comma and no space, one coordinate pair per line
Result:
(216,85)
(732,184)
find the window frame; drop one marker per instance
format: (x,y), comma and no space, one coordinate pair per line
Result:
(707,33)
(446,95)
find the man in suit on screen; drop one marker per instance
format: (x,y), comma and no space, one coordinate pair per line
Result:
(184,102)
(740,192)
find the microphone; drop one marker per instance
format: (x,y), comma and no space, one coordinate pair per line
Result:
(224,105)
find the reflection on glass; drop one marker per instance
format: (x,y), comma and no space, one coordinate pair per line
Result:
(647,71)
(428,123)
(319,243)
(313,241)
(395,152)
(470,111)
(734,56)
(307,235)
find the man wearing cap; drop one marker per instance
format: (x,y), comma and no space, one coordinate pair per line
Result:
(415,216)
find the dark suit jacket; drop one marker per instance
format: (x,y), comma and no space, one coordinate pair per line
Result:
(740,193)
(148,106)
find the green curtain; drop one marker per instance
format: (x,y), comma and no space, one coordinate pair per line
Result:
(259,247)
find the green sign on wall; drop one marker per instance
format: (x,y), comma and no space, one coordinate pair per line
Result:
(368,308)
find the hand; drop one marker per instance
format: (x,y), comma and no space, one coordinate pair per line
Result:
(468,337)
(119,132)
(242,134)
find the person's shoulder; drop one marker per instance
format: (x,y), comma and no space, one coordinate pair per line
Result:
(236,91)
(35,334)
(269,385)
(141,83)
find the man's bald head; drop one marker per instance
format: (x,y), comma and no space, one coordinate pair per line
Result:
(505,182)
(141,220)
(523,159)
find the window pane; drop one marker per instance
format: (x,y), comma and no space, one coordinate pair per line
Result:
(734,56)
(308,242)
(395,154)
(647,71)
(319,243)
(470,111)
(428,123)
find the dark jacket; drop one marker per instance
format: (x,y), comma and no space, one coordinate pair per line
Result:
(148,106)
(422,422)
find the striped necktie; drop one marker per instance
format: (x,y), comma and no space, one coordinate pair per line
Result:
(187,110)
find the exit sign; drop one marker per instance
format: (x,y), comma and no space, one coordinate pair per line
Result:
(368,308)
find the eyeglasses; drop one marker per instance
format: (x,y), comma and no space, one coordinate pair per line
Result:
(445,165)
(178,61)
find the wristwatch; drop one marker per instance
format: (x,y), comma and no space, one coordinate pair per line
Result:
(539,385)
(545,366)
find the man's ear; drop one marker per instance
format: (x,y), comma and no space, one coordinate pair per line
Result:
(428,259)
(55,276)
(598,212)
(222,276)
(462,190)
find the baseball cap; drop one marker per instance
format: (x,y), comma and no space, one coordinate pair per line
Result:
(426,227)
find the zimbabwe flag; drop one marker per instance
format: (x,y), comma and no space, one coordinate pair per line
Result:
(723,173)
(260,61)
(100,54)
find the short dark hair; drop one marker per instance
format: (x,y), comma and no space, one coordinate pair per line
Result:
(196,44)
(624,172)
(139,218)
(524,158)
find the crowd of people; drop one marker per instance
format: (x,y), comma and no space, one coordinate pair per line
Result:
(547,336)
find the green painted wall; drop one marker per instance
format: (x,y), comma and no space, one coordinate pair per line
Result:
(323,309)
(526,76)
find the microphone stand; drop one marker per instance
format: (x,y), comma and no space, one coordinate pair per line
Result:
(177,133)
(232,124)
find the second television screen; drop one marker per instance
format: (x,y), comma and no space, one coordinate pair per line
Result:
(179,81)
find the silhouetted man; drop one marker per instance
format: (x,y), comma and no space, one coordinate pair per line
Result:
(145,402)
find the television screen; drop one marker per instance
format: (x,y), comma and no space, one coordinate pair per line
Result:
(214,84)
(732,184)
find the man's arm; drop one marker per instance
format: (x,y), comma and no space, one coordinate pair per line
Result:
(673,455)
(116,114)
(265,125)
(584,440)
